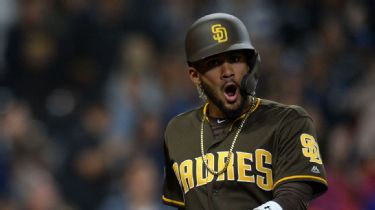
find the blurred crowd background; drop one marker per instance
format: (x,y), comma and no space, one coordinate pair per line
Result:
(87,87)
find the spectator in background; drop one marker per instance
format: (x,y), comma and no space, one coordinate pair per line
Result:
(8,14)
(149,140)
(26,137)
(30,160)
(85,172)
(134,87)
(36,189)
(363,104)
(137,188)
(173,84)
(31,55)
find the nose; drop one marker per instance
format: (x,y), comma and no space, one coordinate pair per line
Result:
(226,70)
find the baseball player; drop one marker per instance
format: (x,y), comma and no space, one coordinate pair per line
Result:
(237,151)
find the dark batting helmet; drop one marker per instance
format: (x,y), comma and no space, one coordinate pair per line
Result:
(218,33)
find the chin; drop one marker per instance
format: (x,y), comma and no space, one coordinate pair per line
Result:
(233,110)
(232,106)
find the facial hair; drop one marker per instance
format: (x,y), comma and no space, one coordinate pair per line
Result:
(228,113)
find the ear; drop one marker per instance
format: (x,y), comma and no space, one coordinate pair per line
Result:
(194,75)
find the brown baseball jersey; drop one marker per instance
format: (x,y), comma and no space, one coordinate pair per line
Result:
(277,144)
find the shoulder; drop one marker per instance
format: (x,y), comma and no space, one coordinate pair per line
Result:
(282,110)
(184,120)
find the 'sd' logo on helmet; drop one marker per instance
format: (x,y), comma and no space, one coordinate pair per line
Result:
(219,33)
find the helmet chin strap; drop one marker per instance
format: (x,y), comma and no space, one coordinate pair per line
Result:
(250,80)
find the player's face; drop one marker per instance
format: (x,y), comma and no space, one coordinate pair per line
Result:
(220,78)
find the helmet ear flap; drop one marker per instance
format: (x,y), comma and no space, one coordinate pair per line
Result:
(252,58)
(250,80)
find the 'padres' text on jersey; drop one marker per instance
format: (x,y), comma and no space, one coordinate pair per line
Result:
(243,167)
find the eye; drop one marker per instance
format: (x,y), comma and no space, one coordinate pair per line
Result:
(235,58)
(214,62)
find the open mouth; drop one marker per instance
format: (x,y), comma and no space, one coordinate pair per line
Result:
(230,92)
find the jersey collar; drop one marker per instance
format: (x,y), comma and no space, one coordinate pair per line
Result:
(205,107)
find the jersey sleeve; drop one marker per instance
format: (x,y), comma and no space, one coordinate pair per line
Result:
(298,157)
(172,194)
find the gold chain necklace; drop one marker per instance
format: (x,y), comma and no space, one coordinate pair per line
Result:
(229,156)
